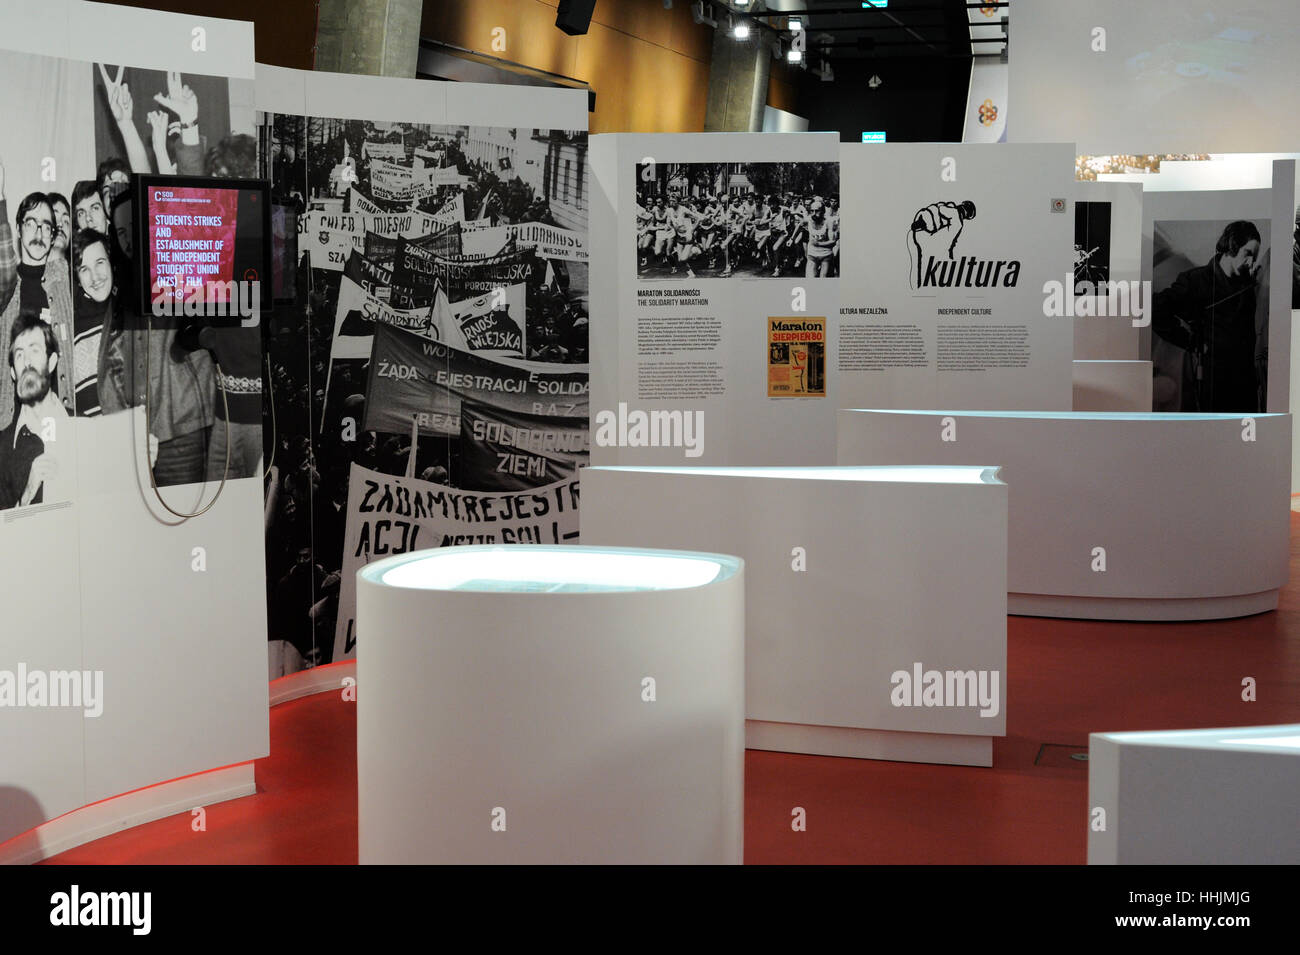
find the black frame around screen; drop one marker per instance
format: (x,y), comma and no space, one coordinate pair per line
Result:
(142,184)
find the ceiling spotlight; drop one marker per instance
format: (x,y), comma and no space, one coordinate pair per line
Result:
(740,30)
(742,3)
(793,56)
(795,24)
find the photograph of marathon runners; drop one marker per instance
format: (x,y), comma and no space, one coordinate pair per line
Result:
(716,220)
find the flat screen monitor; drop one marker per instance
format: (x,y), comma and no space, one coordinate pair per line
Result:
(203,247)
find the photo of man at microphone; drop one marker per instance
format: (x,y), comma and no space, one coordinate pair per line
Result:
(1210,316)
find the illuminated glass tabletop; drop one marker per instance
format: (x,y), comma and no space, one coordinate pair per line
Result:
(550,569)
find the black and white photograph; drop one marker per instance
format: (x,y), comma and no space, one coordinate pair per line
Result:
(757,220)
(1209,315)
(474,238)
(1091,246)
(67,275)
(1295,262)
(204,394)
(40,149)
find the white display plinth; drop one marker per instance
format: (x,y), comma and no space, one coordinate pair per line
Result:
(1116,516)
(1191,797)
(544,704)
(902,567)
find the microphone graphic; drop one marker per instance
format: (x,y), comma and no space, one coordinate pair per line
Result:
(965,212)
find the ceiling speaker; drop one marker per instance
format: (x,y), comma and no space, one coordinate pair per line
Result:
(574,16)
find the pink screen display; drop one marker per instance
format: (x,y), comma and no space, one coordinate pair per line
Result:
(192,243)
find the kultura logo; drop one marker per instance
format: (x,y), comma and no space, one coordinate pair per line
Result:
(932,242)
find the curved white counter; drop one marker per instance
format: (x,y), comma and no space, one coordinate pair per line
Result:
(1121,516)
(543,704)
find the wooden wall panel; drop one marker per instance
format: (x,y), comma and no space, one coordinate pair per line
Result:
(640,87)
(646,20)
(649,66)
(531,35)
(783,85)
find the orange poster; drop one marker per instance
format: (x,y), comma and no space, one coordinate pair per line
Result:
(796,357)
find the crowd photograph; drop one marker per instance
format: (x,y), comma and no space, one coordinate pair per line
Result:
(486,206)
(716,220)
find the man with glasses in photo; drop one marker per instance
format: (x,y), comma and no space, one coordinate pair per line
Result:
(31,287)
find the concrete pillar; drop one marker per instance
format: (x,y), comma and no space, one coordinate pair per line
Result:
(379,37)
(738,82)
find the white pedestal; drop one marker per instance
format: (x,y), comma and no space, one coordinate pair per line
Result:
(504,713)
(1116,516)
(904,566)
(1193,797)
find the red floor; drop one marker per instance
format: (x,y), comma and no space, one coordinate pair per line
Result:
(1065,680)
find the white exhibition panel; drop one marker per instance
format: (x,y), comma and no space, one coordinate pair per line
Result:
(1295,390)
(375,98)
(1180,217)
(41,748)
(1221,171)
(280,90)
(957,316)
(1192,514)
(1112,385)
(1224,171)
(508,719)
(171,619)
(182,650)
(779,121)
(632,354)
(905,567)
(1176,76)
(158,40)
(986,102)
(1181,220)
(492,104)
(1195,797)
(150,39)
(96,820)
(382,99)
